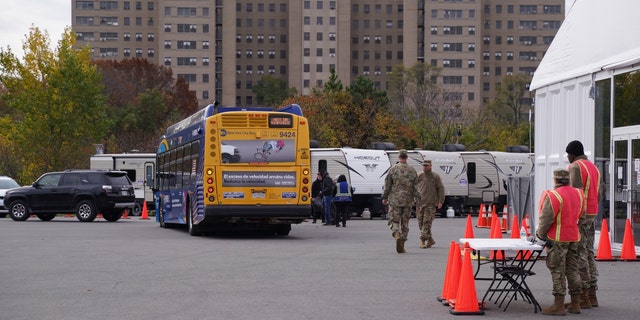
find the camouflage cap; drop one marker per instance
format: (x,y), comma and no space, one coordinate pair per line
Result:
(561,174)
(426,163)
(403,153)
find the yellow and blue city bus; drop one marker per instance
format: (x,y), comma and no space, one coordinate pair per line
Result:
(232,167)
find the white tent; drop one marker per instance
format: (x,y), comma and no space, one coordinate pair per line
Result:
(597,40)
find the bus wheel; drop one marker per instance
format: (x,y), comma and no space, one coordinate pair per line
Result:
(46,216)
(160,213)
(282,229)
(193,230)
(86,211)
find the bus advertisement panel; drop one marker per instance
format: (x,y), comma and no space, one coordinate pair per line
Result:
(248,168)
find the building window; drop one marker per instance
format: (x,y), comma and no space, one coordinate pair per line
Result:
(528,9)
(553,9)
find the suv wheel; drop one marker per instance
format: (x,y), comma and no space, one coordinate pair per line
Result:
(86,211)
(112,216)
(18,211)
(46,216)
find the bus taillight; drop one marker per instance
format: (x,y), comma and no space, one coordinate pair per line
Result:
(210,180)
(305,189)
(210,189)
(305,180)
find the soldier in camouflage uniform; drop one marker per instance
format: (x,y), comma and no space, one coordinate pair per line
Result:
(560,209)
(400,193)
(431,192)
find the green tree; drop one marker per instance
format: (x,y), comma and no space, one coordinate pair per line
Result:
(334,84)
(271,91)
(508,105)
(367,102)
(55,99)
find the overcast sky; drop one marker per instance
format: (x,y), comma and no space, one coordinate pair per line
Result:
(17,16)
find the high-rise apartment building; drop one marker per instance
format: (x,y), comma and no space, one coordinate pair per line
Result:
(223,48)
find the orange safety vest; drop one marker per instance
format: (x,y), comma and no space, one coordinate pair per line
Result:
(567,205)
(590,176)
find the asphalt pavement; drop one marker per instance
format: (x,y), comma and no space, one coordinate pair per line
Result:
(132,269)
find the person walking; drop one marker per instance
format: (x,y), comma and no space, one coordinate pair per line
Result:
(559,211)
(400,193)
(342,200)
(584,175)
(327,197)
(316,199)
(431,192)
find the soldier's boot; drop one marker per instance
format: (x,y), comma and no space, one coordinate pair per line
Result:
(574,306)
(422,244)
(402,241)
(592,296)
(399,242)
(585,303)
(557,309)
(430,243)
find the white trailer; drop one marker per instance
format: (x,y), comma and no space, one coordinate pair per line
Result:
(364,169)
(140,167)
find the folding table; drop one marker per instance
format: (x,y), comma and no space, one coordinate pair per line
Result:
(509,273)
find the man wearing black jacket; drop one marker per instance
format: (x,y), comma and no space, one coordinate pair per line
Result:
(316,188)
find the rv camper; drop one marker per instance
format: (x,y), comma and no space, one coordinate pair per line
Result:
(364,169)
(488,173)
(473,177)
(140,167)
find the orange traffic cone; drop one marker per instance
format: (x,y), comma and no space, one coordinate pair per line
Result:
(604,244)
(125,215)
(445,284)
(145,214)
(515,229)
(628,248)
(466,302)
(482,217)
(505,217)
(495,233)
(468,232)
(454,276)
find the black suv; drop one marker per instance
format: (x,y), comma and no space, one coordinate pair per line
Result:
(85,192)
